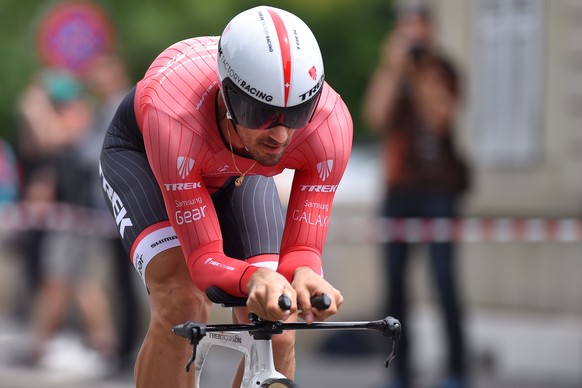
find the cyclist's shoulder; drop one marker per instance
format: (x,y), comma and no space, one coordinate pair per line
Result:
(181,53)
(332,111)
(183,71)
(330,126)
(181,86)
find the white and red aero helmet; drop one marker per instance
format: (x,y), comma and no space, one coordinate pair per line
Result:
(270,69)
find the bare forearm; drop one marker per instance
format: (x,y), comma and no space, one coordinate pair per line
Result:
(379,101)
(436,103)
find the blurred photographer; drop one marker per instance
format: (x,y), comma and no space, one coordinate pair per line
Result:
(411,103)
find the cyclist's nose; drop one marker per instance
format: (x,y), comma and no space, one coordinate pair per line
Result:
(279,133)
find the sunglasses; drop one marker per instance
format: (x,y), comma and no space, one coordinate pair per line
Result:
(251,113)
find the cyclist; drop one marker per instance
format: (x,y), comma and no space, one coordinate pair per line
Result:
(187,167)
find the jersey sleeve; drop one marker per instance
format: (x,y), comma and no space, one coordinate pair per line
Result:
(323,156)
(177,155)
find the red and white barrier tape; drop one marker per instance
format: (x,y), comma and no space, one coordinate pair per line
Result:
(64,217)
(23,216)
(361,230)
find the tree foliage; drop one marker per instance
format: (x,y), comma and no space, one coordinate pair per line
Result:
(349,32)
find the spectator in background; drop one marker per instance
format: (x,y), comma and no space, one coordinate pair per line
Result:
(411,102)
(9,190)
(56,116)
(41,137)
(9,177)
(107,80)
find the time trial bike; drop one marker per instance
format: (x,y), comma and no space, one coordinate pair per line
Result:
(253,339)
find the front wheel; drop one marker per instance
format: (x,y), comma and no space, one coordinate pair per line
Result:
(279,383)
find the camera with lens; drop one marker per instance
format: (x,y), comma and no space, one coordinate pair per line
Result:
(417,52)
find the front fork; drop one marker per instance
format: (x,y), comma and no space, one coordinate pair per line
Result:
(263,365)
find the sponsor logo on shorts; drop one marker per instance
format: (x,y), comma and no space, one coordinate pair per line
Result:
(117,207)
(138,262)
(163,241)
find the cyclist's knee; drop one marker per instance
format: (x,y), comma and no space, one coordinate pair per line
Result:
(284,341)
(173,297)
(178,304)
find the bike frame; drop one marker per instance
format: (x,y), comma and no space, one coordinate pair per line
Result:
(259,364)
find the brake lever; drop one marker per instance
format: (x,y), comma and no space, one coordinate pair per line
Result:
(392,329)
(193,332)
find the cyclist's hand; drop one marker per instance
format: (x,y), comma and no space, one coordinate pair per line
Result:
(264,289)
(307,284)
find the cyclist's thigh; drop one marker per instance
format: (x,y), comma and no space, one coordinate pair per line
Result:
(251,217)
(132,192)
(137,206)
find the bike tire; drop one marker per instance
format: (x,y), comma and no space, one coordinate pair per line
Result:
(279,383)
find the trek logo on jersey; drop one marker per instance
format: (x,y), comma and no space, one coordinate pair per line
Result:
(319,188)
(324,169)
(185,165)
(214,263)
(117,207)
(183,186)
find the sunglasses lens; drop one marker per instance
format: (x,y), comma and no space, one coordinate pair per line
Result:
(252,113)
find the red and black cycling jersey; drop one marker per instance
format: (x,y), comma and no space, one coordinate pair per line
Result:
(175,110)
